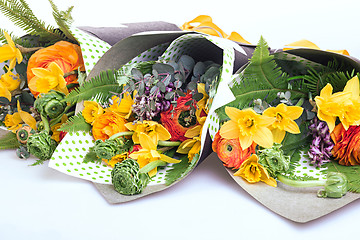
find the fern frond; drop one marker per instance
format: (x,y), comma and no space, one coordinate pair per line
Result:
(19,12)
(352,174)
(9,141)
(102,86)
(181,169)
(63,20)
(75,123)
(261,79)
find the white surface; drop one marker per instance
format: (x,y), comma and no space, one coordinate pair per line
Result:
(41,203)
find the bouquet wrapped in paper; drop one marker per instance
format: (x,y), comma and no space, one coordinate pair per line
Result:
(292,125)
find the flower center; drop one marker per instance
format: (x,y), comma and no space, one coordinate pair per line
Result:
(279,117)
(229,148)
(249,122)
(186,119)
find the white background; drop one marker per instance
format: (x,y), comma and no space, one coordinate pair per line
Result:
(40,203)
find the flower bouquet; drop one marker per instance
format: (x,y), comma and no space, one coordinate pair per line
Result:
(132,118)
(293,126)
(143,125)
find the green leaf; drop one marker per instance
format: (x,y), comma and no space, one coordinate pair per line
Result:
(181,169)
(352,174)
(102,87)
(261,79)
(75,123)
(19,12)
(91,157)
(8,141)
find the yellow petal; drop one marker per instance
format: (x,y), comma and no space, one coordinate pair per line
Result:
(234,113)
(55,69)
(136,155)
(40,72)
(4,92)
(230,130)
(263,137)
(278,135)
(330,120)
(147,142)
(26,117)
(169,159)
(294,112)
(292,127)
(163,133)
(131,126)
(193,132)
(352,86)
(245,141)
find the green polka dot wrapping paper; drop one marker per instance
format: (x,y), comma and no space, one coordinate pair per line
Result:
(164,46)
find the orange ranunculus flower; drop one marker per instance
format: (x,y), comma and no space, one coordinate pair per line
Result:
(66,55)
(230,152)
(107,125)
(347,145)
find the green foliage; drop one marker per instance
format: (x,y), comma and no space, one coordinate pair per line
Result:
(63,20)
(75,123)
(180,169)
(102,87)
(352,174)
(92,157)
(20,13)
(261,79)
(9,141)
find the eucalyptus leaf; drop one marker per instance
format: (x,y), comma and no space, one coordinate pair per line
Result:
(177,84)
(192,86)
(141,88)
(180,93)
(163,68)
(188,103)
(187,62)
(137,74)
(169,95)
(199,69)
(161,86)
(21,68)
(152,105)
(155,73)
(197,96)
(154,89)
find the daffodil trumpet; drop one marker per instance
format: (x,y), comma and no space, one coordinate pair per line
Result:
(335,185)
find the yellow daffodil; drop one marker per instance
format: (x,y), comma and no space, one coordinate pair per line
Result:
(203,103)
(117,158)
(149,153)
(284,120)
(329,105)
(152,129)
(46,79)
(350,114)
(92,110)
(248,126)
(252,171)
(10,52)
(124,106)
(8,82)
(55,133)
(14,121)
(192,145)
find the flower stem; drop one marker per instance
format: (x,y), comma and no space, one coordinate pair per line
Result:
(46,123)
(300,102)
(299,183)
(120,134)
(25,50)
(150,166)
(168,143)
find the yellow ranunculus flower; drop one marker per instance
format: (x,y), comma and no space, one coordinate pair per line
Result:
(248,126)
(10,52)
(124,106)
(91,111)
(14,121)
(152,129)
(8,83)
(284,120)
(149,153)
(252,171)
(117,158)
(48,78)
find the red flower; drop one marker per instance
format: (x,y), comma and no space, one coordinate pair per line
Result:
(347,145)
(179,119)
(135,148)
(230,152)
